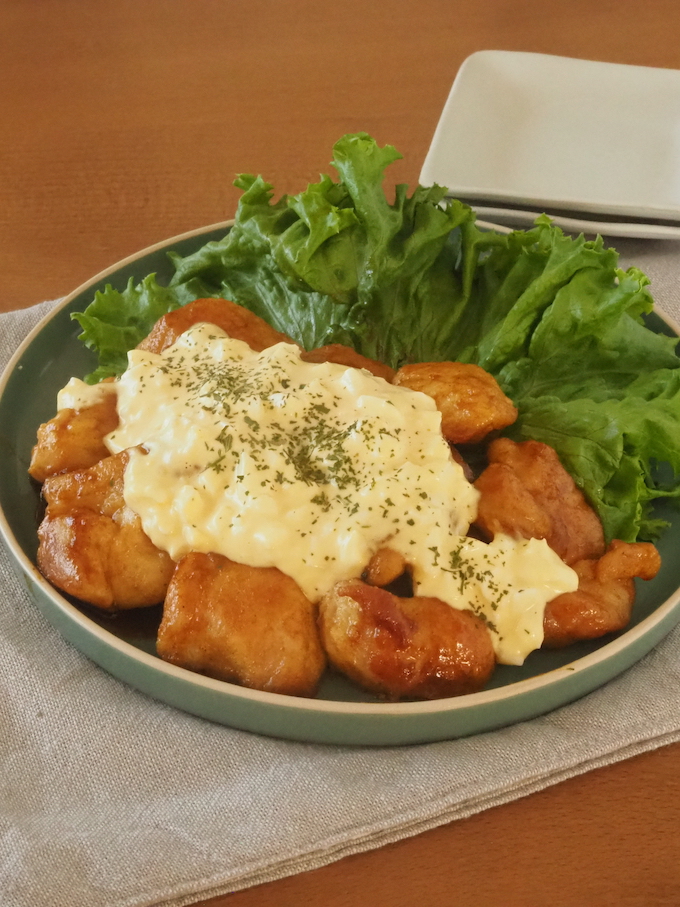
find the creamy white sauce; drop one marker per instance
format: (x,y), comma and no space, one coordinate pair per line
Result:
(77,395)
(312,468)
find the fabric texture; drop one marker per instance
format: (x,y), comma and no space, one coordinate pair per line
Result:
(111,799)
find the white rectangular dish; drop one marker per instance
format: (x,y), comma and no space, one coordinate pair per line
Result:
(529,130)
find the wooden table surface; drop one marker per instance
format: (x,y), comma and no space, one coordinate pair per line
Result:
(125,122)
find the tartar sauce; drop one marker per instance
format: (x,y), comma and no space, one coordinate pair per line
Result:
(311,468)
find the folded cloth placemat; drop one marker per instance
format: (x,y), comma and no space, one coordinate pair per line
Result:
(110,799)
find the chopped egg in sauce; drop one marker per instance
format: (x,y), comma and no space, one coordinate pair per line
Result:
(311,468)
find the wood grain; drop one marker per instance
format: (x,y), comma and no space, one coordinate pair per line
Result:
(609,837)
(124,123)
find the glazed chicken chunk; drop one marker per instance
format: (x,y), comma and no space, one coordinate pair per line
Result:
(385,566)
(92,546)
(526,492)
(250,625)
(73,439)
(604,599)
(345,355)
(404,647)
(470,401)
(235,320)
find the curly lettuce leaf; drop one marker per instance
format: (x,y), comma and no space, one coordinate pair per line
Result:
(339,263)
(116,321)
(604,390)
(612,448)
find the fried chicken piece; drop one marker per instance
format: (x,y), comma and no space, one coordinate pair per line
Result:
(73,439)
(93,546)
(345,355)
(416,647)
(251,625)
(384,567)
(235,320)
(605,595)
(469,399)
(527,493)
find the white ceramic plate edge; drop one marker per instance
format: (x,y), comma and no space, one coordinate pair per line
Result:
(431,169)
(504,219)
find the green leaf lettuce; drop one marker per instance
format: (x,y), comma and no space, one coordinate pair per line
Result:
(552,317)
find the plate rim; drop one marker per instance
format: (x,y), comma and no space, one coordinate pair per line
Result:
(508,219)
(664,614)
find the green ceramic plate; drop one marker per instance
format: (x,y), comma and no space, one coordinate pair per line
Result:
(341,713)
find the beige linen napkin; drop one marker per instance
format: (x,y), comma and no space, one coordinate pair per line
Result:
(110,799)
